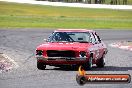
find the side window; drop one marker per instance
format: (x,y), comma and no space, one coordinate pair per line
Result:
(49,38)
(92,39)
(97,37)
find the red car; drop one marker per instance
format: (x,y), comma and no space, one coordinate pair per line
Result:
(72,47)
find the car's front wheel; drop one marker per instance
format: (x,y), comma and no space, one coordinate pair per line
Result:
(101,62)
(41,66)
(89,64)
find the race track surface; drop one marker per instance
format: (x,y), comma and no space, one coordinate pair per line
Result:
(20,45)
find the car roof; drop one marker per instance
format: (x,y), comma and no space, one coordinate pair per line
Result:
(73,30)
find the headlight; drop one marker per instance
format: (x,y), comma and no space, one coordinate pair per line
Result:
(82,54)
(39,52)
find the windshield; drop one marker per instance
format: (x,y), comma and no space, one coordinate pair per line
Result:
(82,37)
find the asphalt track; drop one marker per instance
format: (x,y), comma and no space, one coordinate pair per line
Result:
(20,44)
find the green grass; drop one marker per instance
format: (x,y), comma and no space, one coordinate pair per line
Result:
(14,15)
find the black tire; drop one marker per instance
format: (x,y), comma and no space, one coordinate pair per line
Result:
(88,65)
(41,66)
(101,63)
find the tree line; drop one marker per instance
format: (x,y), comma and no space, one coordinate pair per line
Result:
(113,2)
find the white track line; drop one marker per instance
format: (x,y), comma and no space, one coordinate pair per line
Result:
(5,56)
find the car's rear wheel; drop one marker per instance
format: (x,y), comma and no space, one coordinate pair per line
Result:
(41,66)
(101,62)
(89,64)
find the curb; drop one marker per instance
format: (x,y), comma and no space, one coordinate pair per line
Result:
(6,63)
(11,60)
(121,46)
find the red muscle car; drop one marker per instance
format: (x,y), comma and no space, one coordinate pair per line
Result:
(72,47)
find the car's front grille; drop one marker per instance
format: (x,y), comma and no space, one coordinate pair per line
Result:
(57,53)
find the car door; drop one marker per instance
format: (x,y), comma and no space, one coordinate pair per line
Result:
(100,45)
(94,48)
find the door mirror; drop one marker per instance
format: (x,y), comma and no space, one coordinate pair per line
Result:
(96,42)
(45,40)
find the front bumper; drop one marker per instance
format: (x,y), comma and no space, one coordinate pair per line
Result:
(61,60)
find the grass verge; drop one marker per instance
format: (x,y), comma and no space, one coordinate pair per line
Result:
(14,15)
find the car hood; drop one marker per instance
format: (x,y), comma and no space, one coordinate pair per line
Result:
(64,46)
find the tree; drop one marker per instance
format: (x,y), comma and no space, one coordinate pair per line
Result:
(124,2)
